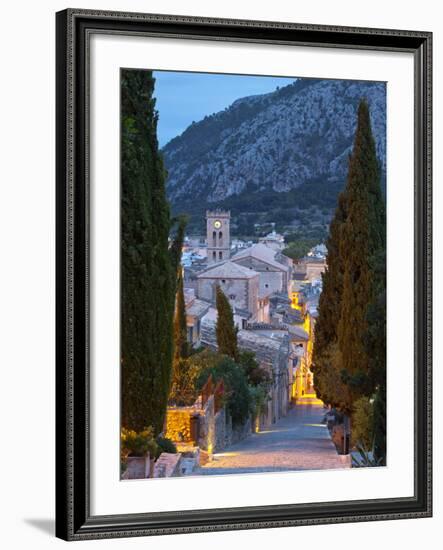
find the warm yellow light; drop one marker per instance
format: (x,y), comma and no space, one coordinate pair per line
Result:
(295,303)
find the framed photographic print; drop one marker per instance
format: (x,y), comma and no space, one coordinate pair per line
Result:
(243,274)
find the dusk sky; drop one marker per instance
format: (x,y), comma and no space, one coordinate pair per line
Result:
(185,97)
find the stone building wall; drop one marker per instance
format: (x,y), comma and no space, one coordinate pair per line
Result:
(271,279)
(315,270)
(231,287)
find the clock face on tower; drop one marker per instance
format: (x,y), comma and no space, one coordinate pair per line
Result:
(217,224)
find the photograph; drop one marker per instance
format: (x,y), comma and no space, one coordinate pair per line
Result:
(243,273)
(221,229)
(252,274)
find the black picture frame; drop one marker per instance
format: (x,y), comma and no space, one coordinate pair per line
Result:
(73,518)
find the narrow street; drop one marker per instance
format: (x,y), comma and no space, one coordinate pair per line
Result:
(299,441)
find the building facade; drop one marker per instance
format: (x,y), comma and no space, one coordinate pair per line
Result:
(195,310)
(240,285)
(275,276)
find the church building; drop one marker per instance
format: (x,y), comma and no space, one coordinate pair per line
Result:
(275,276)
(240,285)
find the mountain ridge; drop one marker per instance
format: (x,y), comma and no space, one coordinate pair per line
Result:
(269,146)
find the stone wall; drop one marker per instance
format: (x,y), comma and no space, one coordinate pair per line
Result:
(206,437)
(138,467)
(220,431)
(178,423)
(271,278)
(168,465)
(215,430)
(234,434)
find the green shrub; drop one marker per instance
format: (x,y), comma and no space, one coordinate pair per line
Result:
(246,384)
(138,443)
(238,397)
(363,423)
(185,390)
(365,458)
(165,445)
(258,400)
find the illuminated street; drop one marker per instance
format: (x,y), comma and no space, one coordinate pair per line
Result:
(298,441)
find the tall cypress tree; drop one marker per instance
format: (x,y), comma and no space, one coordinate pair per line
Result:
(226,331)
(362,239)
(325,352)
(181,346)
(376,349)
(148,263)
(343,364)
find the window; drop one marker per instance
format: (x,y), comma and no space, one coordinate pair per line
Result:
(214,238)
(220,255)
(214,255)
(220,237)
(232,296)
(266,285)
(223,281)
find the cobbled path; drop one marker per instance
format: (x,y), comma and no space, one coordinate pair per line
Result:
(299,441)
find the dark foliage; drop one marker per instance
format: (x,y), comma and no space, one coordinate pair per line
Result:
(298,248)
(225,329)
(237,394)
(148,264)
(165,445)
(376,349)
(362,240)
(349,353)
(255,374)
(181,345)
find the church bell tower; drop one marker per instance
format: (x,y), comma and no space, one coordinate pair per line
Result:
(218,235)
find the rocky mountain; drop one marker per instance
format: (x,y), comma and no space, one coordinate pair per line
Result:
(278,155)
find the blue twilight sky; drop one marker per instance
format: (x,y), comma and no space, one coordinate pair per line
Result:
(186,97)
